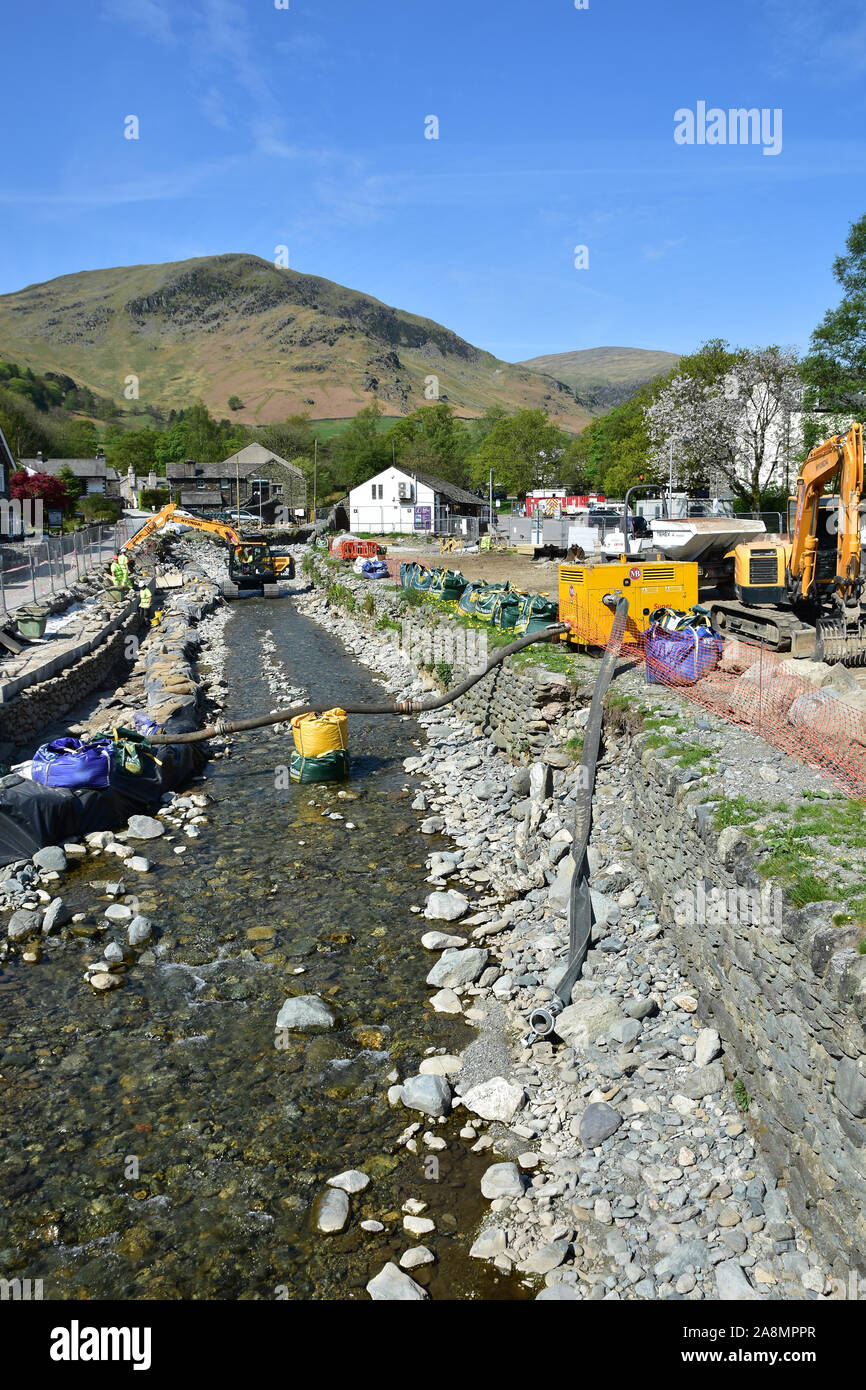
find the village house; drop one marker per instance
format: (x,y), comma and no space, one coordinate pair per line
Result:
(403,500)
(264,479)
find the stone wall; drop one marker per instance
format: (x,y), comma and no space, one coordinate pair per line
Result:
(516,706)
(22,717)
(786,990)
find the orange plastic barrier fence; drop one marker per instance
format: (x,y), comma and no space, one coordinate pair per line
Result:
(760,690)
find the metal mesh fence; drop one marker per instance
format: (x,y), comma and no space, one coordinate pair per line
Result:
(34,570)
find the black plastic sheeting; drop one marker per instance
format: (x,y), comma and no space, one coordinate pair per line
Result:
(32,816)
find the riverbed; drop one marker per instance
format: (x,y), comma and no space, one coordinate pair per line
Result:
(156,1143)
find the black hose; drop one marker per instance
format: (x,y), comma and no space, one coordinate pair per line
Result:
(580,902)
(261,721)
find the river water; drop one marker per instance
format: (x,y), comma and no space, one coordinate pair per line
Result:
(155,1144)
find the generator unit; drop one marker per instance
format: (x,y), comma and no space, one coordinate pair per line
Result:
(647,584)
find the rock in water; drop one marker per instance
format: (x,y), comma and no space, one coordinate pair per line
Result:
(22,924)
(429,1094)
(495,1100)
(350,1181)
(502,1180)
(391,1284)
(144,828)
(331,1211)
(446,907)
(597,1123)
(305,1012)
(458,968)
(417,1256)
(51,858)
(139,931)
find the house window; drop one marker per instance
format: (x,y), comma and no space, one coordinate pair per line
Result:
(225,482)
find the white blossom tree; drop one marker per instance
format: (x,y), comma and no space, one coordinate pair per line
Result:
(728,418)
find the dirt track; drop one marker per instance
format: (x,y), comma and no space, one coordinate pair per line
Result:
(535,576)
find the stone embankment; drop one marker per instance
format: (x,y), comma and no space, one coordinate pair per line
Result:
(164,682)
(688,1132)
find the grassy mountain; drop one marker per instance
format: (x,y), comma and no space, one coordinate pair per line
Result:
(220,327)
(604,376)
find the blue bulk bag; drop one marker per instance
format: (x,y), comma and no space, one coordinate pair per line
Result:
(375,569)
(67,762)
(681,658)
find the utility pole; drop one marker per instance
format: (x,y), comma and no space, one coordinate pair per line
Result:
(315,474)
(490,522)
(238,488)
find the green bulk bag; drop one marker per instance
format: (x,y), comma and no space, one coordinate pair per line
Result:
(329,767)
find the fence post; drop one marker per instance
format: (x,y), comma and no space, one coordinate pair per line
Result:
(32,572)
(2,586)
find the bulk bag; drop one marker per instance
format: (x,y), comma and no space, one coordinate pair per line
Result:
(67,762)
(681,658)
(317,734)
(330,767)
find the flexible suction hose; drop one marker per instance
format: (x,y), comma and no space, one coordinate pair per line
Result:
(419,706)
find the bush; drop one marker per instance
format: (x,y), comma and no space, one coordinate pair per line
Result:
(156,497)
(99,508)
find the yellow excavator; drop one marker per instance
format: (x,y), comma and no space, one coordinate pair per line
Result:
(805,593)
(253,568)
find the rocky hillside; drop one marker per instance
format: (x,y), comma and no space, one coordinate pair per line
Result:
(229,326)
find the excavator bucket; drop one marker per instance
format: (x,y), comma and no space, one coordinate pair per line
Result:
(841,642)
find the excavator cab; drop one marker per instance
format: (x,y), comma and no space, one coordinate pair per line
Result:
(251,569)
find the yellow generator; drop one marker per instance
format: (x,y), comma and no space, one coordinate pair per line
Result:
(646,584)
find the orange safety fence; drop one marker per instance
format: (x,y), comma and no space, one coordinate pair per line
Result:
(760,690)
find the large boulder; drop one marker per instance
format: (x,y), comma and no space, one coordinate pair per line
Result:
(391,1284)
(502,1180)
(497,1099)
(588,1020)
(457,968)
(446,907)
(429,1094)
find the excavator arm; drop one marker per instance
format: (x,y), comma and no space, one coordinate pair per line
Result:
(839,458)
(170,513)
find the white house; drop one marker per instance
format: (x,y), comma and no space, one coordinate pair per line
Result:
(402,500)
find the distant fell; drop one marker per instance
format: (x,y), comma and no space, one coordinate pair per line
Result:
(605,376)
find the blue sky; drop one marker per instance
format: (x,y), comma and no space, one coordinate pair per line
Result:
(304,127)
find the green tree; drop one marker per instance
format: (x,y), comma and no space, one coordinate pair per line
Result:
(136,447)
(235,403)
(361,450)
(77,440)
(523,449)
(72,485)
(292,438)
(433,440)
(834,370)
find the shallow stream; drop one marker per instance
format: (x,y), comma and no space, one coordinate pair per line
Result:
(154,1142)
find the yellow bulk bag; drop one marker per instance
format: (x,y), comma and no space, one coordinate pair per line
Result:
(316,734)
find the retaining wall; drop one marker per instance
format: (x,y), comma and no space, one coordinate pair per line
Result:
(786,990)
